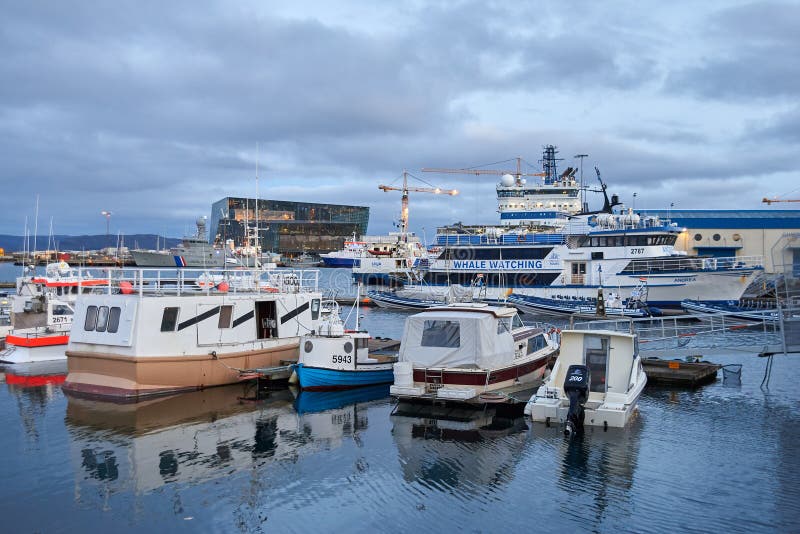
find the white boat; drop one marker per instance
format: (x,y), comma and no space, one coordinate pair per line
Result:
(336,358)
(388,259)
(468,352)
(149,335)
(596,380)
(194,251)
(42,312)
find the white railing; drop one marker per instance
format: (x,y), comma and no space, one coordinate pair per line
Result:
(692,263)
(187,281)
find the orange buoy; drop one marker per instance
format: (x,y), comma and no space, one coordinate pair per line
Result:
(223,287)
(125,287)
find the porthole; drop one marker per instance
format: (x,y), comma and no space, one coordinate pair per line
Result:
(698,237)
(348,347)
(716,237)
(308,347)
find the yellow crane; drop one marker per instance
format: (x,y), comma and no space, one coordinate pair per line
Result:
(406,189)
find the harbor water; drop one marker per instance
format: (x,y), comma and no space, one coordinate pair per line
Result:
(721,458)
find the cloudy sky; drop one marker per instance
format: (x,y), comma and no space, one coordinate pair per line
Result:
(154,110)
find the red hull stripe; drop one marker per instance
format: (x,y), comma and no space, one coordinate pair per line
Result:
(31,381)
(37,341)
(82,283)
(479,378)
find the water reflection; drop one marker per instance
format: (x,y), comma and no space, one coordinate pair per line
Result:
(457,449)
(596,469)
(204,435)
(34,386)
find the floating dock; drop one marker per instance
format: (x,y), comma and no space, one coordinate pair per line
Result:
(679,372)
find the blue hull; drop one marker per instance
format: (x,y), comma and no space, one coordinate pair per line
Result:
(316,378)
(318,401)
(340,262)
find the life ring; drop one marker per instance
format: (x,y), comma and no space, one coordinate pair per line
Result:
(269,289)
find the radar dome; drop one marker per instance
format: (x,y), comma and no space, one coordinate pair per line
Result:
(507,180)
(201,220)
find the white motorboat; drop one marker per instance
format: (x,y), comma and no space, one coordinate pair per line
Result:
(468,352)
(150,335)
(596,380)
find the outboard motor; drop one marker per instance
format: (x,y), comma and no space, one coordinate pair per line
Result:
(576,388)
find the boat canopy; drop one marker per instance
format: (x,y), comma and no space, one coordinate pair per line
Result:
(458,338)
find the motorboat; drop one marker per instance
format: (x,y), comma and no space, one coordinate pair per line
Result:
(335,358)
(42,311)
(151,335)
(596,380)
(393,300)
(607,304)
(733,309)
(469,352)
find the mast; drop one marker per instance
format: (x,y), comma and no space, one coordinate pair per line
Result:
(35,230)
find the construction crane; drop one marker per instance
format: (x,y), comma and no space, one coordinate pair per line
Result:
(772,200)
(406,189)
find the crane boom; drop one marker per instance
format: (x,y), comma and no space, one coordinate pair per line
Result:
(771,200)
(518,172)
(404,203)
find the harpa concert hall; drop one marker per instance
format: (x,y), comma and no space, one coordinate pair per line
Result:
(285,226)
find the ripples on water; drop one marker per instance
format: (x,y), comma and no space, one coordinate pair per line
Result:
(720,458)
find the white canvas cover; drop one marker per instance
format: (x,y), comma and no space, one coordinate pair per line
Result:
(429,340)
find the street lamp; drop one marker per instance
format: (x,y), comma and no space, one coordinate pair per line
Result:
(107,215)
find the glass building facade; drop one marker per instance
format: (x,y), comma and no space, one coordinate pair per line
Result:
(285,226)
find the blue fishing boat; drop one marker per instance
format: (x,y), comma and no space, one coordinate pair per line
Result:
(613,306)
(336,358)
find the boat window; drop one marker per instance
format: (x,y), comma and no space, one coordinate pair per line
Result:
(596,359)
(315,303)
(91,318)
(225,313)
(102,318)
(517,322)
(503,325)
(441,334)
(60,309)
(536,343)
(169,320)
(362,342)
(113,319)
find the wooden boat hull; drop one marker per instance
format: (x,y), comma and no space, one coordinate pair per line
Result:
(129,378)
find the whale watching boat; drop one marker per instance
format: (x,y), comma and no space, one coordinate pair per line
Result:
(151,335)
(42,311)
(596,380)
(469,353)
(335,358)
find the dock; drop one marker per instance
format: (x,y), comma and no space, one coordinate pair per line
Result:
(679,372)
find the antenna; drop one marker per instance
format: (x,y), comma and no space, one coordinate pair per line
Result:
(584,207)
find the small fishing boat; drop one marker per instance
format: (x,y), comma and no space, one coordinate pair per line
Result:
(596,380)
(42,312)
(732,309)
(469,352)
(335,358)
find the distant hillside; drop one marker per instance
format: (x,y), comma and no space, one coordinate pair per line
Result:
(14,243)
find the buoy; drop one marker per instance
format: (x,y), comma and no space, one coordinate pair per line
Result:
(125,287)
(223,287)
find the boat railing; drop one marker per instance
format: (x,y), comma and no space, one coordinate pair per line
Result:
(692,263)
(190,281)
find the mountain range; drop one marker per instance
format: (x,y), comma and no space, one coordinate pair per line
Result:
(14,243)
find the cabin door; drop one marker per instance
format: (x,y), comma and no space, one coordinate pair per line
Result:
(595,357)
(578,275)
(266,320)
